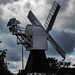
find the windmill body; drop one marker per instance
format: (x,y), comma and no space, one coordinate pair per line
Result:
(34,38)
(38,36)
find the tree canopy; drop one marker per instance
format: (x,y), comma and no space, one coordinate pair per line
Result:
(3,63)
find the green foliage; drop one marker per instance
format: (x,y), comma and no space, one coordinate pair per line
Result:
(59,67)
(3,63)
(52,62)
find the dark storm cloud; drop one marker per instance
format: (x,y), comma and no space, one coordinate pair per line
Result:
(13,51)
(27,4)
(6,1)
(13,55)
(2,24)
(65,40)
(69,23)
(1,11)
(3,27)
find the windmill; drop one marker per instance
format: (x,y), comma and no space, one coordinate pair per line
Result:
(34,38)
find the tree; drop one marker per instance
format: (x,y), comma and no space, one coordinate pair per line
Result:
(3,63)
(52,62)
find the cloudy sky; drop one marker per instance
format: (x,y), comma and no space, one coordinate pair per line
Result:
(63,30)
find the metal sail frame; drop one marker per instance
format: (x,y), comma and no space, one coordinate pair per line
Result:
(52,16)
(33,19)
(56,46)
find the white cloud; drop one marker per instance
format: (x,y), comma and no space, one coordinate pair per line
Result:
(70,58)
(69,31)
(14,10)
(20,9)
(71,7)
(16,66)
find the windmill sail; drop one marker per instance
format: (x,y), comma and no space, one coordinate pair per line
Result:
(52,16)
(57,47)
(33,19)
